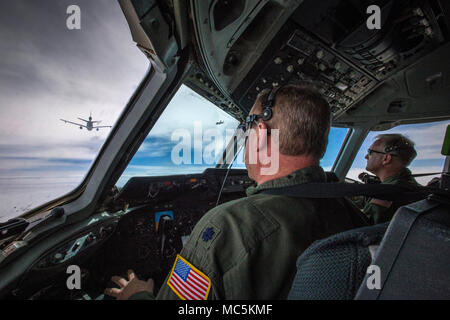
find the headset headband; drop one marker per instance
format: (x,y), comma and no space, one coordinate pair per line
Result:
(399,145)
(269,103)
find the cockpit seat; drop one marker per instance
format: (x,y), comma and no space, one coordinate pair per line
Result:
(414,255)
(412,259)
(331,176)
(333,268)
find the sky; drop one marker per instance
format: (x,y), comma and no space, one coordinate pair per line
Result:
(189,112)
(48,72)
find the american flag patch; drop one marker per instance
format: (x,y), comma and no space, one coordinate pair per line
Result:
(188,282)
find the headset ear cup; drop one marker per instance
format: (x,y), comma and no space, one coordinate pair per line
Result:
(392,148)
(267,114)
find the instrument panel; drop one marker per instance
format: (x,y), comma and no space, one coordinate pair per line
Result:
(303,59)
(164,211)
(159,214)
(206,185)
(70,249)
(47,277)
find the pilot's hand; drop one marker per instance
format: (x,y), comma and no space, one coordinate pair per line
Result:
(382,203)
(130,287)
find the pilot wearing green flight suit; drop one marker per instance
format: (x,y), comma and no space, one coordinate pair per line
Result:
(388,158)
(247,248)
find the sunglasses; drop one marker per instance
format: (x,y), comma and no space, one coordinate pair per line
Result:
(249,121)
(370,151)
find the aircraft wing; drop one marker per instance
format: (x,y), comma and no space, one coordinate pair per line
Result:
(101,127)
(77,124)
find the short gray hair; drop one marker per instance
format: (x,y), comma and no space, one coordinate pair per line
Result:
(303,117)
(399,145)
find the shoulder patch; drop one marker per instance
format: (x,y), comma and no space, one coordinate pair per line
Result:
(187,281)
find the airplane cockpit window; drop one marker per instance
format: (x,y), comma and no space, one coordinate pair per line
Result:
(427,138)
(191,135)
(66,73)
(335,139)
(188,138)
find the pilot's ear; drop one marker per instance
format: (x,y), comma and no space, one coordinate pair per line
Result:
(263,132)
(262,125)
(387,158)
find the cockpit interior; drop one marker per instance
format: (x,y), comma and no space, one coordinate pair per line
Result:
(377,68)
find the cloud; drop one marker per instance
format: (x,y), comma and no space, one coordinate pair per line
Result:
(197,110)
(78,150)
(48,72)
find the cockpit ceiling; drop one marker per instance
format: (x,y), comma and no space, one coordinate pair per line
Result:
(368,76)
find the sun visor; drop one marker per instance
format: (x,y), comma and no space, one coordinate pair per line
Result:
(151,32)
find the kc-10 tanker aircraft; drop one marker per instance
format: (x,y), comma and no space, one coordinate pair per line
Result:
(90,124)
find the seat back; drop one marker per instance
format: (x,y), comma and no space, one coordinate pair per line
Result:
(333,268)
(331,176)
(414,256)
(412,253)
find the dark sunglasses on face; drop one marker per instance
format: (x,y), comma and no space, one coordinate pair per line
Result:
(370,151)
(249,121)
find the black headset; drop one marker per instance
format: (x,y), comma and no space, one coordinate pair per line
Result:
(267,113)
(391,149)
(399,145)
(267,105)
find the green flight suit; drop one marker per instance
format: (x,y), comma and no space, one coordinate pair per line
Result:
(256,240)
(379,214)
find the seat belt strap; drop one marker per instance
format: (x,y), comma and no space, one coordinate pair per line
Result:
(342,189)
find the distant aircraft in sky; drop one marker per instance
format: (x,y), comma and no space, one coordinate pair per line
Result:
(219,122)
(89,123)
